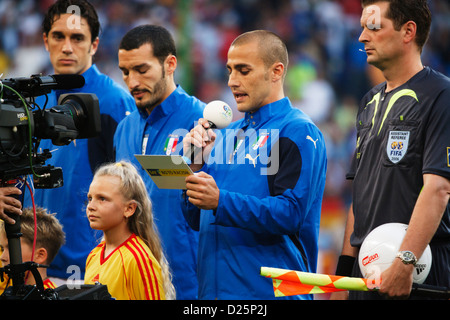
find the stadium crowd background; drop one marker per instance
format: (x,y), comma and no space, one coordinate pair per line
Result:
(327,73)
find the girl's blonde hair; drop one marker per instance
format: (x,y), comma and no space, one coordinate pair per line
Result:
(141,222)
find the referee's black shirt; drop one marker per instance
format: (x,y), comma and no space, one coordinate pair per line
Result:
(401,135)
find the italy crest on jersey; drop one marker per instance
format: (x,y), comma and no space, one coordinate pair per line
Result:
(170,144)
(397,145)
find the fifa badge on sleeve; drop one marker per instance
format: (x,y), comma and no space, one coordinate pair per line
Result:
(448,156)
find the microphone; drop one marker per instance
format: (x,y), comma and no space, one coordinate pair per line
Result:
(219,116)
(38,85)
(64,81)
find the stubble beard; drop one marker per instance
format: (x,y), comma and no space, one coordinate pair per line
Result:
(156,96)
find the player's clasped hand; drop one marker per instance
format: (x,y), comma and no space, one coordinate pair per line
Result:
(9,204)
(202,191)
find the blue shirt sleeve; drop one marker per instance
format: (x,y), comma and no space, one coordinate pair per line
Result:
(292,192)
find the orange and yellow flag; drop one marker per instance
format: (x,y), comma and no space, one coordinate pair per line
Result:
(290,282)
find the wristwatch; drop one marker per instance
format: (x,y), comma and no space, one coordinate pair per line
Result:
(407,257)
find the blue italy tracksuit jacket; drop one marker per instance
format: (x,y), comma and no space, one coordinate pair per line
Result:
(161,133)
(270,168)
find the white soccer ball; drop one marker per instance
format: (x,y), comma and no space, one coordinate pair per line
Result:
(219,113)
(380,248)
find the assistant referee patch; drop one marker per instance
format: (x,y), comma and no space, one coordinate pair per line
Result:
(448,156)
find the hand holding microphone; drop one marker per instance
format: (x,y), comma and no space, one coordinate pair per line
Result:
(216,115)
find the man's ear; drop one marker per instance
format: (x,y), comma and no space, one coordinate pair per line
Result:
(171,64)
(45,38)
(409,31)
(94,46)
(277,71)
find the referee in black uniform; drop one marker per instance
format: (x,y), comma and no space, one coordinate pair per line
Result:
(401,168)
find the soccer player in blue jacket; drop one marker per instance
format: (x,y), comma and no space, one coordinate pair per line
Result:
(71,48)
(257,199)
(165,113)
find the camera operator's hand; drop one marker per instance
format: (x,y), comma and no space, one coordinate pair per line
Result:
(9,204)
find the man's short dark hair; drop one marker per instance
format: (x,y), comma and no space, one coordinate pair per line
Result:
(158,37)
(402,11)
(60,7)
(271,47)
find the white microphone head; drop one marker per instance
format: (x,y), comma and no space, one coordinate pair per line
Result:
(219,113)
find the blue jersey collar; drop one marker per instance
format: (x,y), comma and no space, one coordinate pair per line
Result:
(168,106)
(88,75)
(267,112)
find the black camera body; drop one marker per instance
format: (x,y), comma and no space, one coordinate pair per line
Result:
(77,116)
(23,124)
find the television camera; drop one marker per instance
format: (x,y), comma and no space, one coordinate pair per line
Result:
(23,124)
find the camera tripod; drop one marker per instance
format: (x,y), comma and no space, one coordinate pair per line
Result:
(16,270)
